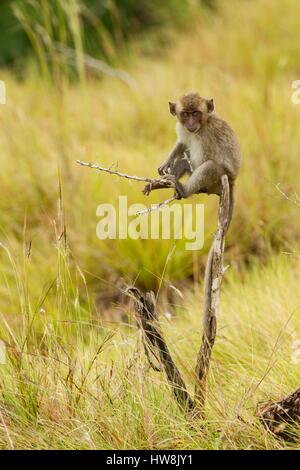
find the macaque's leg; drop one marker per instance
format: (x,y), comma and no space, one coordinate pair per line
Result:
(180,168)
(166,167)
(205,179)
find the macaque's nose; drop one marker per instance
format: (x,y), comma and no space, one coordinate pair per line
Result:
(192,125)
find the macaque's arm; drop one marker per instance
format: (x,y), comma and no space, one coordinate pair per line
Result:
(177,151)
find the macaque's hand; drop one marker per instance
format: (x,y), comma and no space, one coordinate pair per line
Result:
(165,168)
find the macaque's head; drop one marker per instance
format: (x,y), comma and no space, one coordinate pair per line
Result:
(192,111)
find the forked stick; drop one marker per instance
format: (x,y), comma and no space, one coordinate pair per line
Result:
(167,181)
(213,276)
(153,338)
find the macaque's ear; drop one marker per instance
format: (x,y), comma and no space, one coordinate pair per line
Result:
(210,105)
(172,108)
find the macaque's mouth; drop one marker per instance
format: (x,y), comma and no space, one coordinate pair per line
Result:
(193,129)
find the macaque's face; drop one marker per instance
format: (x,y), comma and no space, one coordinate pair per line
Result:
(192,111)
(190,119)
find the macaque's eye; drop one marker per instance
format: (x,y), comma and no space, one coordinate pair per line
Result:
(184,114)
(196,114)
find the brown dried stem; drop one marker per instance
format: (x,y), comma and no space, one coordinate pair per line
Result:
(167,181)
(153,338)
(213,276)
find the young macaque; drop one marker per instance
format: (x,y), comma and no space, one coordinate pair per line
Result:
(206,149)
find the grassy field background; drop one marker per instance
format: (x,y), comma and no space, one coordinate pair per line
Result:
(75,374)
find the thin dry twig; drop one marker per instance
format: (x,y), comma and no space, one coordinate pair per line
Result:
(295,199)
(155,207)
(114,172)
(11,445)
(153,339)
(167,181)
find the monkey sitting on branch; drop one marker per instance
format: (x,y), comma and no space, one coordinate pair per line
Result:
(206,149)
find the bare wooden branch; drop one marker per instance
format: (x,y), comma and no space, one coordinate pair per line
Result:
(213,278)
(147,317)
(277,416)
(145,308)
(167,181)
(155,207)
(114,172)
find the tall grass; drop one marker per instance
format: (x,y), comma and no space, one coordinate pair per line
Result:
(50,25)
(74,381)
(60,32)
(75,376)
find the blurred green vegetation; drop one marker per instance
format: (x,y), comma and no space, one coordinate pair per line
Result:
(45,128)
(102,25)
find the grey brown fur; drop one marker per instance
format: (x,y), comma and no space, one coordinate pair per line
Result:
(206,149)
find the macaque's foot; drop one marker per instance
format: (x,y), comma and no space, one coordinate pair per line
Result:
(147,189)
(169,177)
(166,181)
